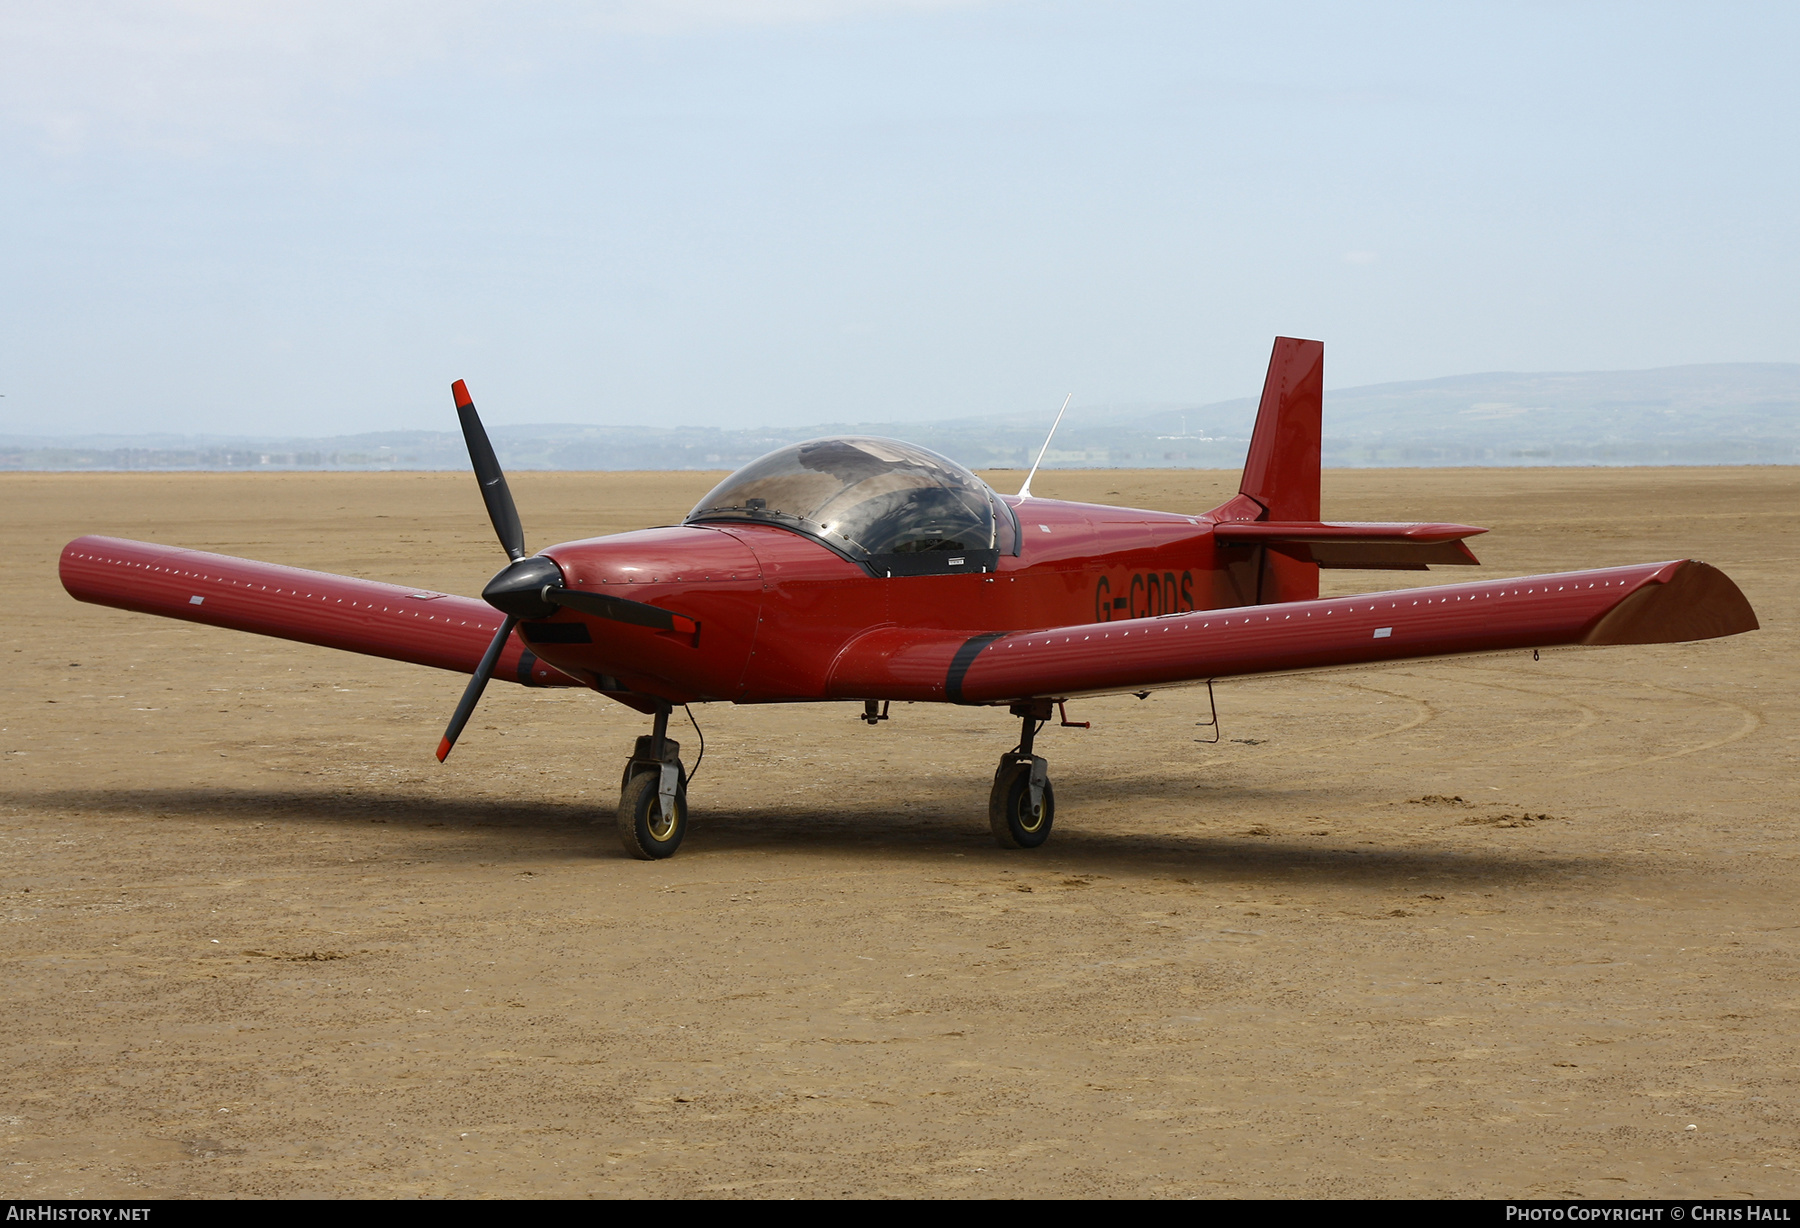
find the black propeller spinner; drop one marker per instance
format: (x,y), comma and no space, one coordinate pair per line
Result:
(527,587)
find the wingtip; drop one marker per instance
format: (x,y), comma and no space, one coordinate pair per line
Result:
(460,391)
(443,750)
(1686,600)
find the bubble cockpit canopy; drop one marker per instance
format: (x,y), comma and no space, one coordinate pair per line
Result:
(897,508)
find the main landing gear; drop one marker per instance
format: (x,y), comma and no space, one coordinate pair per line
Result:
(1022,805)
(653,794)
(653,787)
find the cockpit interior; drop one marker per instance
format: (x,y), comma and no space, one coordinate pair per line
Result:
(895,508)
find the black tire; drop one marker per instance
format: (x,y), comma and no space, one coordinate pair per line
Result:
(1010,815)
(643,829)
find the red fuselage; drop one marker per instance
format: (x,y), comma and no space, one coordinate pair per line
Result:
(776,608)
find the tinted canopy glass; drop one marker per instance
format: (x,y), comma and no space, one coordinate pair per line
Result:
(865,497)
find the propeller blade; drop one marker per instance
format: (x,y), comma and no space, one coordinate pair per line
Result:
(620,610)
(494,491)
(466,706)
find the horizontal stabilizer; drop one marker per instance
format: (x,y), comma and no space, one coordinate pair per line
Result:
(1646,604)
(1368,546)
(314,607)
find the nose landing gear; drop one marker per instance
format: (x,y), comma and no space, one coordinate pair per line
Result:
(1022,805)
(653,795)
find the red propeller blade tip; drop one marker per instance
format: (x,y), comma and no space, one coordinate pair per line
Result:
(460,391)
(444,749)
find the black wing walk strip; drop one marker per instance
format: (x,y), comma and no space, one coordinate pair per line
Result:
(965,657)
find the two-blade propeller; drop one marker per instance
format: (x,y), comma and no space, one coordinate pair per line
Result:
(527,587)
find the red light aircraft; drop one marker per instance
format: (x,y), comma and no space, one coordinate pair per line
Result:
(869,570)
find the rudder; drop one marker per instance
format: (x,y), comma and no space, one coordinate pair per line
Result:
(1281,472)
(1282,469)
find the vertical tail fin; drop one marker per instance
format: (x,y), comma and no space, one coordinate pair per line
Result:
(1281,479)
(1282,470)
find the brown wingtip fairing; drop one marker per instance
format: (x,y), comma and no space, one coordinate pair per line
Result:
(1698,602)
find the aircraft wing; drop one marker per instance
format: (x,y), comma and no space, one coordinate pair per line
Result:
(1651,603)
(314,607)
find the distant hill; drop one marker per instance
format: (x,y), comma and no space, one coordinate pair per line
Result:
(1719,414)
(1726,413)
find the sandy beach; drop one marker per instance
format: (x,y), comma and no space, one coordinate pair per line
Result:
(1487,927)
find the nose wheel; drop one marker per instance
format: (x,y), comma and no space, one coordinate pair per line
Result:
(1022,805)
(653,796)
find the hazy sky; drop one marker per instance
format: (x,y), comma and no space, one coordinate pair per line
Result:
(310,218)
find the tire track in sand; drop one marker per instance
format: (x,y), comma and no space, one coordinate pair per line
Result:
(1428,712)
(1752,721)
(1590,715)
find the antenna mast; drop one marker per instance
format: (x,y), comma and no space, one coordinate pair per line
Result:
(1025,490)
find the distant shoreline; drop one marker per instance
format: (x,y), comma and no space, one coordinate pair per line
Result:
(984,469)
(1720,414)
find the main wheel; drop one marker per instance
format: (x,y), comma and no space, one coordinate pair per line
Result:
(1016,824)
(646,832)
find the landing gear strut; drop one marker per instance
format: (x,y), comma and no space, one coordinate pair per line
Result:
(1022,806)
(653,794)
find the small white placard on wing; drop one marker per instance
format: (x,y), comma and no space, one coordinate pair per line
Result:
(1381,633)
(195,600)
